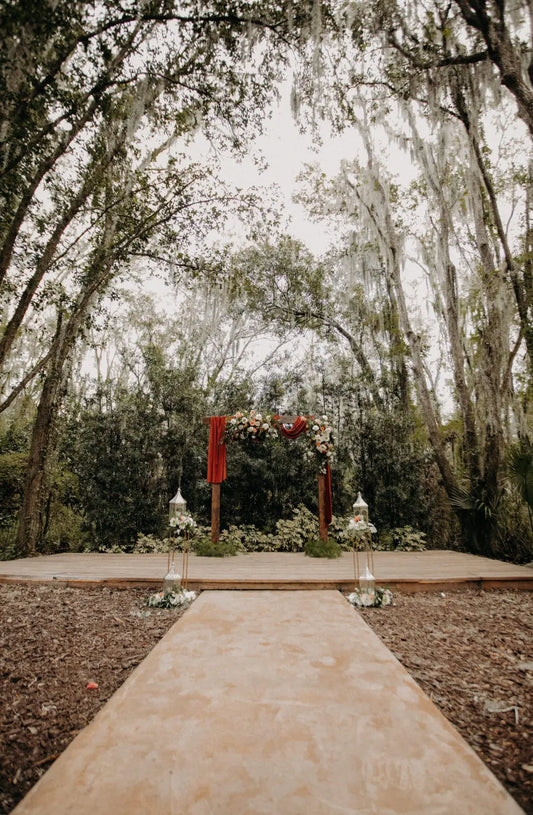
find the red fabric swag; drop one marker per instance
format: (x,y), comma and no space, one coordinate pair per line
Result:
(298,427)
(216,456)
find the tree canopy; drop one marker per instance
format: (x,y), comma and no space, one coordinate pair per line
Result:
(413,330)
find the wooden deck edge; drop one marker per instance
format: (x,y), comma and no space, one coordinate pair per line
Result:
(403,585)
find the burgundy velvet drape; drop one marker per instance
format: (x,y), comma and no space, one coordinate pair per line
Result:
(298,427)
(216,456)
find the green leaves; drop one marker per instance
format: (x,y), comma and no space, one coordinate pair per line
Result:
(520,472)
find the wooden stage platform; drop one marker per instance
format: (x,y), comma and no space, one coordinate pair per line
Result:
(401,571)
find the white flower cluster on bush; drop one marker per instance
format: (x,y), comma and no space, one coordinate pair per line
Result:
(171,599)
(367,598)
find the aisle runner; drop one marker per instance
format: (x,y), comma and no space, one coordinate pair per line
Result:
(283,703)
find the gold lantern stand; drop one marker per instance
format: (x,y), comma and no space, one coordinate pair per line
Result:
(185,559)
(360,509)
(177,506)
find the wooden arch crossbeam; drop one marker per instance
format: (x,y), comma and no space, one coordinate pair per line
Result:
(216,490)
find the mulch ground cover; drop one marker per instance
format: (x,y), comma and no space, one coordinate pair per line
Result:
(54,641)
(471,651)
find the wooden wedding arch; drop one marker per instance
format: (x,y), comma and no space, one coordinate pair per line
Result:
(216,471)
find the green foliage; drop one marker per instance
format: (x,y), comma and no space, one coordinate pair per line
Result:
(93,109)
(115,455)
(316,547)
(392,460)
(520,471)
(248,538)
(337,531)
(8,540)
(293,533)
(515,537)
(12,471)
(150,544)
(403,539)
(204,547)
(66,531)
(266,480)
(64,525)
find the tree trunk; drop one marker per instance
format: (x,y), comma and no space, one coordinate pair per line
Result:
(502,53)
(44,436)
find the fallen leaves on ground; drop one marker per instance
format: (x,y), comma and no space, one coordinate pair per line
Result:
(63,653)
(471,651)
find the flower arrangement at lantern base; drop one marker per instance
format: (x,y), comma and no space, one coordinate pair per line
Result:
(368,598)
(173,598)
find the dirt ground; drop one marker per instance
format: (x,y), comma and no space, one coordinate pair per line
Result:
(471,651)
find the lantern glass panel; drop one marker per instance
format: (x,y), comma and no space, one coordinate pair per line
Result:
(171,579)
(360,507)
(367,581)
(177,505)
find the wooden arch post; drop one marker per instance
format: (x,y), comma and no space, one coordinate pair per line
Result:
(215,512)
(216,490)
(323,525)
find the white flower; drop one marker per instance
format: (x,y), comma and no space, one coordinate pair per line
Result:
(358,525)
(171,599)
(316,427)
(182,522)
(364,598)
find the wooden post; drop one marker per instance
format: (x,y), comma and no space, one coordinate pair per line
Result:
(322,507)
(215,512)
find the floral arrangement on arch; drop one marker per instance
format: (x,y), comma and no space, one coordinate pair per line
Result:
(319,434)
(254,425)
